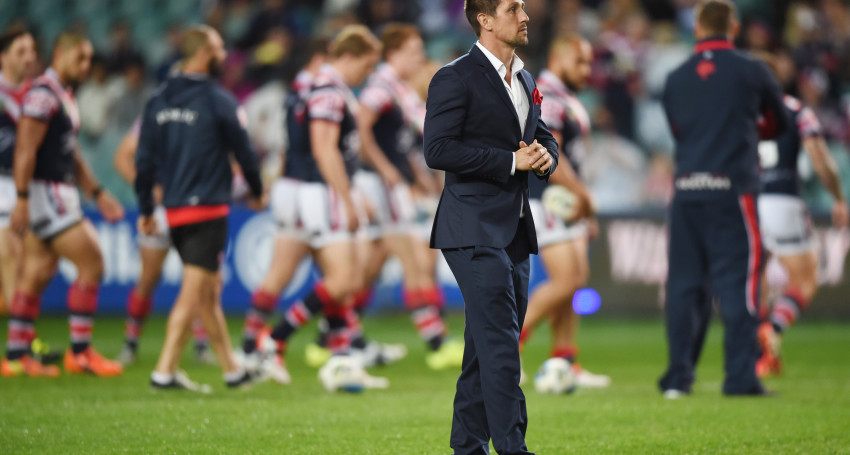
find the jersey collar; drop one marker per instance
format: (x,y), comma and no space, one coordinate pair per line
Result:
(713,44)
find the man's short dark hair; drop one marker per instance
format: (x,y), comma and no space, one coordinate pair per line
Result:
(475,7)
(9,36)
(716,16)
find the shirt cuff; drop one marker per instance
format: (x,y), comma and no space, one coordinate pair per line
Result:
(513,163)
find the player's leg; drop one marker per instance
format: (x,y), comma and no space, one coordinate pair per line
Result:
(786,308)
(565,277)
(78,244)
(201,247)
(565,326)
(286,204)
(372,254)
(787,233)
(140,299)
(736,259)
(212,316)
(309,215)
(10,266)
(38,267)
(186,308)
(422,298)
(337,262)
(10,244)
(288,253)
(685,286)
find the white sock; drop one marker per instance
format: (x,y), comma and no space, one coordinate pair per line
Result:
(234,375)
(161,378)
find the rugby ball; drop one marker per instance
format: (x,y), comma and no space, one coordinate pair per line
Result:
(560,201)
(342,373)
(555,377)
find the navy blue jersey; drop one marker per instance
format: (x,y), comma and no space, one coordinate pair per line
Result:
(395,103)
(714,102)
(332,101)
(779,156)
(295,106)
(49,102)
(11,98)
(189,128)
(562,112)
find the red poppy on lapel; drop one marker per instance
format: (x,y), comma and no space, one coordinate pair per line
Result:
(538,98)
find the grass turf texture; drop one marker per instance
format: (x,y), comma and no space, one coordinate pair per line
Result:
(76,414)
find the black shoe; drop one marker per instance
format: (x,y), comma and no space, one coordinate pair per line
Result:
(180,381)
(247,380)
(757,391)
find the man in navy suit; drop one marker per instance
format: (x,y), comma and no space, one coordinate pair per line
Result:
(483,128)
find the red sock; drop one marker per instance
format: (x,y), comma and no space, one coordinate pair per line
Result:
(82,302)
(199,333)
(23,312)
(262,306)
(567,352)
(425,313)
(138,308)
(787,308)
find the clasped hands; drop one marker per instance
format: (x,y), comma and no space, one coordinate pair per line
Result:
(533,157)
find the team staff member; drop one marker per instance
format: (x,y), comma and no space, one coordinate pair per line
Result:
(153,249)
(48,170)
(563,243)
(713,103)
(785,222)
(188,130)
(482,111)
(17,61)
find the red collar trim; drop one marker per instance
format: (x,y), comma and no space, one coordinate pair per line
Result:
(713,45)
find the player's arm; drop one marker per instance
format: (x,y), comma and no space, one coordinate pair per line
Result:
(369,148)
(444,123)
(107,205)
(324,137)
(423,179)
(774,116)
(827,171)
(236,137)
(30,135)
(145,165)
(566,177)
(125,156)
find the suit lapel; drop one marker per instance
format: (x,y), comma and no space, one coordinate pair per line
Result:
(493,78)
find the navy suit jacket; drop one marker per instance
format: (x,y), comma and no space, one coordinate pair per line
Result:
(471,130)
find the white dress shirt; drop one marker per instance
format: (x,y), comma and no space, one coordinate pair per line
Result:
(516,91)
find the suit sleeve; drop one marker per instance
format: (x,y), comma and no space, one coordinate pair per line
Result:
(146,161)
(234,124)
(774,116)
(446,111)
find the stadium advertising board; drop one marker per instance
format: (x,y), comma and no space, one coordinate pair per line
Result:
(628,267)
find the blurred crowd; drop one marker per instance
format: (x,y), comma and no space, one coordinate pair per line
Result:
(636,43)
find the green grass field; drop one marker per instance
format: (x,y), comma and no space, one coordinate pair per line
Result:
(86,415)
